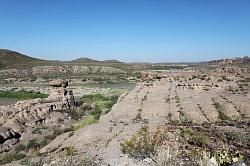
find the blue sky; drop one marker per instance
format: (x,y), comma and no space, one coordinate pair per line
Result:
(127,30)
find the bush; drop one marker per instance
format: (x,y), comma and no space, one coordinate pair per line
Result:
(206,124)
(238,137)
(11,156)
(194,138)
(75,114)
(143,144)
(69,151)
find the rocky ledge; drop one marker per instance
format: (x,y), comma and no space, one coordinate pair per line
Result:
(15,119)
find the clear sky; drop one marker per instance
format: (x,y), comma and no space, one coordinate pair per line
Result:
(127,30)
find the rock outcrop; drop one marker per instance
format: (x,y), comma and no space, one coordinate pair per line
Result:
(59,83)
(162,101)
(16,118)
(233,70)
(244,60)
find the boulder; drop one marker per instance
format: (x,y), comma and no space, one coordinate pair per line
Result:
(59,83)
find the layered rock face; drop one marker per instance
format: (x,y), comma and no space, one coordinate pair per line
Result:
(16,118)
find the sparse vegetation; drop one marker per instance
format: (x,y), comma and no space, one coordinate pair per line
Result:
(9,157)
(69,151)
(21,95)
(30,148)
(138,117)
(194,137)
(221,113)
(177,98)
(238,137)
(181,138)
(87,121)
(143,144)
(75,114)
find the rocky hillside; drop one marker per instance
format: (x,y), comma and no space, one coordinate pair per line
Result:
(182,119)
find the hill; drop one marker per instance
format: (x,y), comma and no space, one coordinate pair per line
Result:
(84,60)
(12,58)
(112,61)
(88,60)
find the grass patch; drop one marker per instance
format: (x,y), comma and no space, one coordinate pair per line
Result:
(100,103)
(85,122)
(22,95)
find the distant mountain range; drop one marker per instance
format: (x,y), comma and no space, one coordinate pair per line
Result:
(10,58)
(88,60)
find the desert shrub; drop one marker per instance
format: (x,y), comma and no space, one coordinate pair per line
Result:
(206,124)
(143,144)
(36,130)
(69,151)
(238,137)
(32,144)
(75,114)
(177,98)
(183,117)
(172,120)
(11,156)
(194,137)
(22,95)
